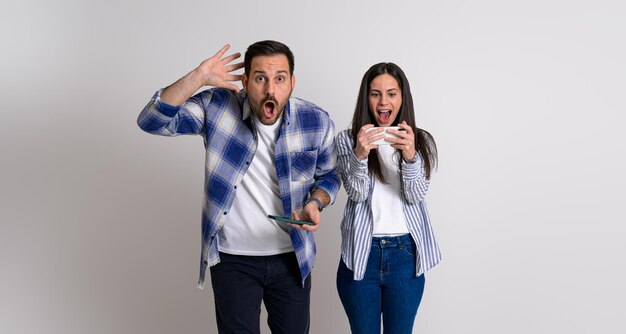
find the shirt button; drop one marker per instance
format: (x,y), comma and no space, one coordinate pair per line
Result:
(225,212)
(247,162)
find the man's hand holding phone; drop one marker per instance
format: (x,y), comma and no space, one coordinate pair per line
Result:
(309,212)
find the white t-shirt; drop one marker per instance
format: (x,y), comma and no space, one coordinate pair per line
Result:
(247,230)
(387,208)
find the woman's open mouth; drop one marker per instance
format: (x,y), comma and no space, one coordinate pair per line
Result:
(383,115)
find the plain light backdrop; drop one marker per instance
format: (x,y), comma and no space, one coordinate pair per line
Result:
(100,222)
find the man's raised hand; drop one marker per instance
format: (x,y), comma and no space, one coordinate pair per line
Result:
(217,71)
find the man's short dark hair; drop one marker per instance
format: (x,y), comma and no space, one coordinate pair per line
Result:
(267,48)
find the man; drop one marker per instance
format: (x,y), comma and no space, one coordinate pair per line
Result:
(266,153)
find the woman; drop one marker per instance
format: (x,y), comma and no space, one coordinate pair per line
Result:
(387,238)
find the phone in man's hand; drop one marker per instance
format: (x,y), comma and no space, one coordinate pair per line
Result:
(289,220)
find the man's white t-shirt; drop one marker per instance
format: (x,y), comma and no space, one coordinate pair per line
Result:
(247,230)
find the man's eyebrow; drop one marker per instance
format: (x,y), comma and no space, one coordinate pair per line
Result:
(277,72)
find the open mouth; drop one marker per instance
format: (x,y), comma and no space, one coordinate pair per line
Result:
(269,109)
(383,115)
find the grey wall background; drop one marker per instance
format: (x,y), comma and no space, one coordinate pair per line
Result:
(99,221)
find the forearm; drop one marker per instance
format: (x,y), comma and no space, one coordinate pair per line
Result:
(181,90)
(415,183)
(352,171)
(355,177)
(327,182)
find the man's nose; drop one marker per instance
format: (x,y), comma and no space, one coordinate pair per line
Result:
(270,87)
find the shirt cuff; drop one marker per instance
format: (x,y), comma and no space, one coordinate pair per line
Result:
(412,169)
(166,109)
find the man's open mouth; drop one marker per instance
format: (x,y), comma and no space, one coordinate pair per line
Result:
(269,109)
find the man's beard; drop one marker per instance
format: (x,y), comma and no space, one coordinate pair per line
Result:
(271,103)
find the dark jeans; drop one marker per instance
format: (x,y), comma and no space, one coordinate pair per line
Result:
(240,283)
(389,287)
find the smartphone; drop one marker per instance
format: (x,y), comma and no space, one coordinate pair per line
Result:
(382,141)
(289,220)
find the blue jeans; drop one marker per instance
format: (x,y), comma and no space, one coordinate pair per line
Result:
(389,287)
(241,283)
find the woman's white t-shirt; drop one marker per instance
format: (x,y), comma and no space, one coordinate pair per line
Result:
(387,208)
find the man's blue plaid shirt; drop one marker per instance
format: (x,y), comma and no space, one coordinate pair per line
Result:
(305,158)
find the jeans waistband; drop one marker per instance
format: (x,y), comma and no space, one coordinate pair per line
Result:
(387,242)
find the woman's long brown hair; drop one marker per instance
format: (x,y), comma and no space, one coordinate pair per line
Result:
(424,141)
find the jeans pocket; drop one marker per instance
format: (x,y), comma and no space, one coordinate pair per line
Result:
(408,249)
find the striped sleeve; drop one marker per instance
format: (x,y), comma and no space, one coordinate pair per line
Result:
(351,170)
(414,181)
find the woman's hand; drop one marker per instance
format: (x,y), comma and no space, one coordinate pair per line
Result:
(405,141)
(365,139)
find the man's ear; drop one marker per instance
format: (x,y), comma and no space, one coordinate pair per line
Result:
(293,82)
(244,82)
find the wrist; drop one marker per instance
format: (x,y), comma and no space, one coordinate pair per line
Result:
(411,160)
(317,201)
(199,77)
(360,156)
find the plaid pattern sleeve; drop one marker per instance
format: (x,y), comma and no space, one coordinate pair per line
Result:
(160,118)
